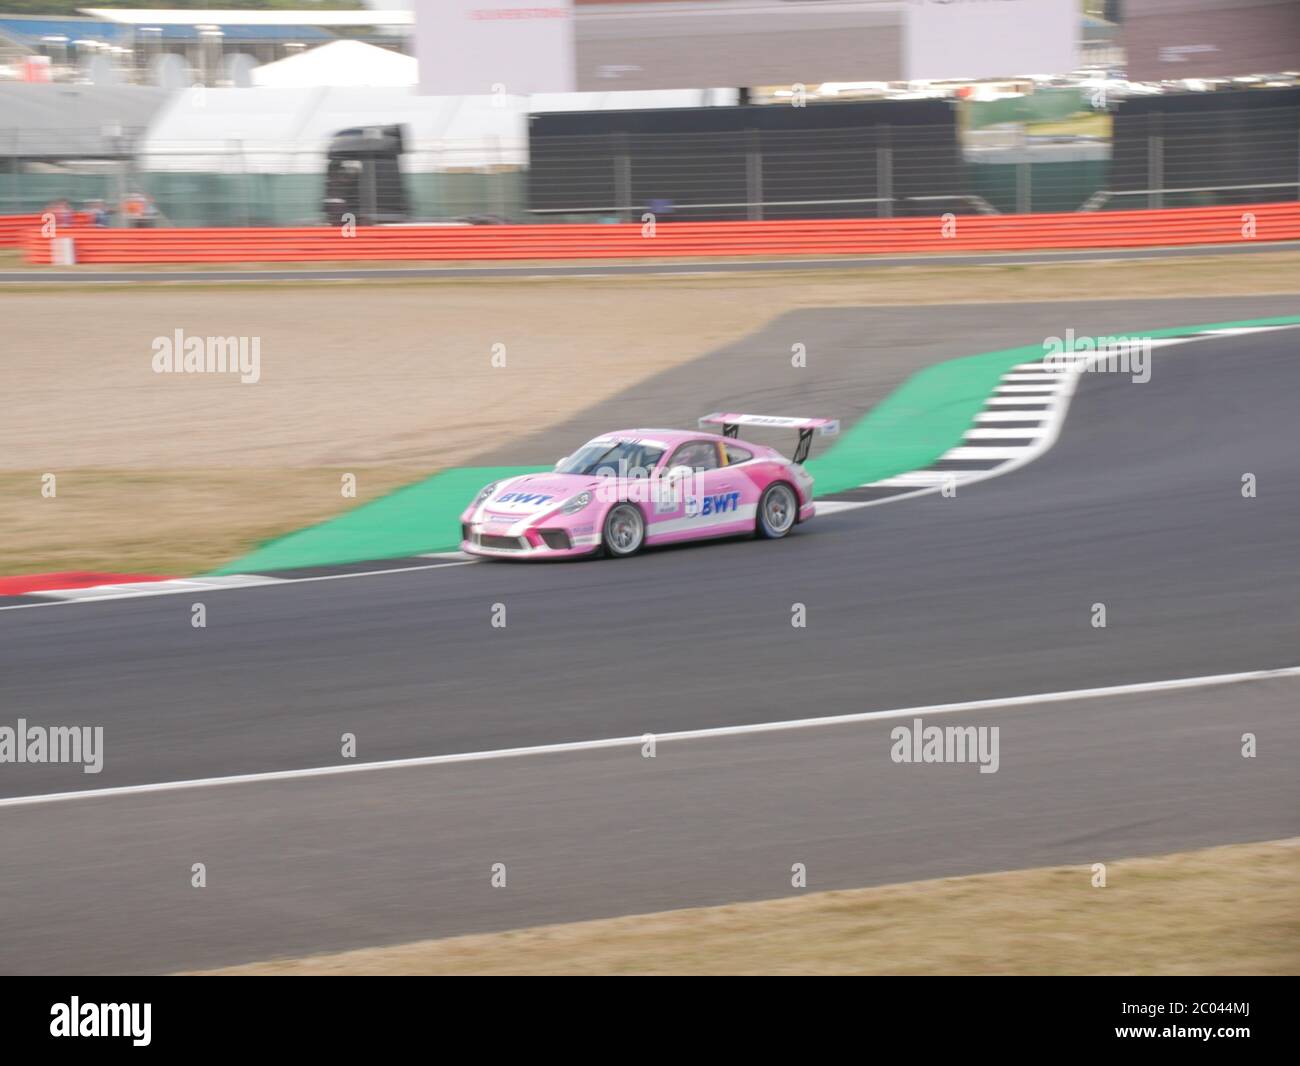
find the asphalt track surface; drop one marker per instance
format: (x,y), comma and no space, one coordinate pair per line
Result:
(929,600)
(262,275)
(856,356)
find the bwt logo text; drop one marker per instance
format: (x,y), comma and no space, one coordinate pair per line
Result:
(522,497)
(102,1019)
(719,503)
(179,354)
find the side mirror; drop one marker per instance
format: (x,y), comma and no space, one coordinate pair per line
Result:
(559,462)
(680,473)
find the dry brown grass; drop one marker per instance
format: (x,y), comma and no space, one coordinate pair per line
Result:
(1226,910)
(175,522)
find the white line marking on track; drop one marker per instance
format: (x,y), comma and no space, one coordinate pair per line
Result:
(1241,331)
(826,507)
(690,734)
(226,587)
(912,479)
(850,260)
(1002,434)
(1010,416)
(975,452)
(160,588)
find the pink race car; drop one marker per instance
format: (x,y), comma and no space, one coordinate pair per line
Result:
(634,487)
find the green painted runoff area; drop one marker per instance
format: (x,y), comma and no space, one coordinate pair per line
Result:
(919,421)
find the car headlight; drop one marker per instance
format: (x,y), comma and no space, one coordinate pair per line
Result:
(483,496)
(576,504)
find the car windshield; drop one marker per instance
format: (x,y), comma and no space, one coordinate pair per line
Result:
(604,458)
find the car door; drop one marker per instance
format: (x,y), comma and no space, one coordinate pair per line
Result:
(724,504)
(706,503)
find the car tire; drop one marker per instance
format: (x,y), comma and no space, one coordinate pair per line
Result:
(778,510)
(623,532)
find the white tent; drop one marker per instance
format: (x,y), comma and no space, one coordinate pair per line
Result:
(285,131)
(339,63)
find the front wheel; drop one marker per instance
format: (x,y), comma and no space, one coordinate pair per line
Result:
(777,509)
(624,531)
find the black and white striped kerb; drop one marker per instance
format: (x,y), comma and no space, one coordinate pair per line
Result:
(1020,420)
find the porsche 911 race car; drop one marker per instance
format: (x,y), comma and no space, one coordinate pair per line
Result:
(634,487)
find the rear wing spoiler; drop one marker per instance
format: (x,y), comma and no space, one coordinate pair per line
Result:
(731,423)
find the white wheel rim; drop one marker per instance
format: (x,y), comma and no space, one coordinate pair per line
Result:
(778,509)
(624,528)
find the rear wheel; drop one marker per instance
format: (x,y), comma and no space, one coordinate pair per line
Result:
(624,531)
(778,508)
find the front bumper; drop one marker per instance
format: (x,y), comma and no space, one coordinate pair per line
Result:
(543,542)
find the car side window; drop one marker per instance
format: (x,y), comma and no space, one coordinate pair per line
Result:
(737,455)
(646,460)
(697,454)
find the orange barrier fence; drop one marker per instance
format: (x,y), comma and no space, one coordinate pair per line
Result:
(939,233)
(14,229)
